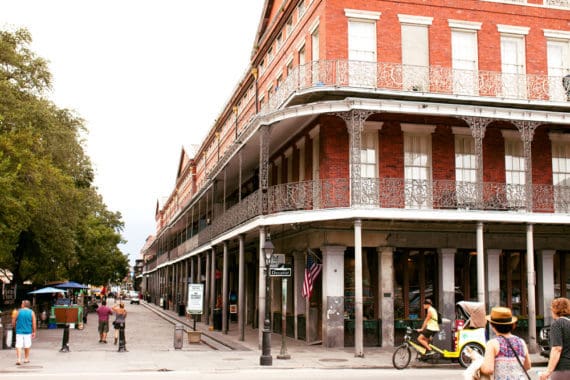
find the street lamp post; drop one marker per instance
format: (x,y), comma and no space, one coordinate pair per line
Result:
(265,358)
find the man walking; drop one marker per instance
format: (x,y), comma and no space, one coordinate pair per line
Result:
(103,312)
(25,322)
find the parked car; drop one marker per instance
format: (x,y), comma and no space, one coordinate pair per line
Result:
(135,297)
(544,341)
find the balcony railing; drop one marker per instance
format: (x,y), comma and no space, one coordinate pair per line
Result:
(381,193)
(414,79)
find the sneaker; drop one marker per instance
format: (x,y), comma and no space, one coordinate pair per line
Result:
(429,353)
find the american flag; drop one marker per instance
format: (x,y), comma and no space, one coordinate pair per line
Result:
(312,271)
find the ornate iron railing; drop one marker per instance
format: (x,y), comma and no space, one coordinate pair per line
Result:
(407,78)
(382,193)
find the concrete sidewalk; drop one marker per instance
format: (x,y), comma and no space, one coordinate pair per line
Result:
(150,345)
(303,355)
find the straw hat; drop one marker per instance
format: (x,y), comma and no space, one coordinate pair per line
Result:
(501,316)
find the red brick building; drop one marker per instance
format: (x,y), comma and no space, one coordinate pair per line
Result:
(414,149)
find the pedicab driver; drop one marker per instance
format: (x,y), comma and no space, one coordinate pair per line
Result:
(429,327)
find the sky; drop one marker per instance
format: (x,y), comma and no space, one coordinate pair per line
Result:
(147,76)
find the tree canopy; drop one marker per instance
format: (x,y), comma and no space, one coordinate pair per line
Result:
(53,223)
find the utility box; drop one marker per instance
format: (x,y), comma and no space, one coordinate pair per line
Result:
(178,337)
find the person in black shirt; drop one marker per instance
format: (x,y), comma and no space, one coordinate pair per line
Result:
(559,362)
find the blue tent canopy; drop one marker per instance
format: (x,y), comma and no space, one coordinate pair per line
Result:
(47,290)
(72,285)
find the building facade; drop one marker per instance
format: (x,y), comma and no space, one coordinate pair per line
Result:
(412,149)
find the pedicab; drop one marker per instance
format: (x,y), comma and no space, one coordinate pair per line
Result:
(468,333)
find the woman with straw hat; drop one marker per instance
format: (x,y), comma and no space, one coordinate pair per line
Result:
(506,356)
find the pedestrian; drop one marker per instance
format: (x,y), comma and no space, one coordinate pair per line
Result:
(506,356)
(103,312)
(25,321)
(120,318)
(429,327)
(559,362)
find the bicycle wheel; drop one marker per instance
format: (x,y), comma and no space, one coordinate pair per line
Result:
(401,357)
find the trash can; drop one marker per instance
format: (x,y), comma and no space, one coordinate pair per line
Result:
(181,310)
(178,336)
(218,319)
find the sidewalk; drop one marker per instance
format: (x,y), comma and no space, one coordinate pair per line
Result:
(303,355)
(150,345)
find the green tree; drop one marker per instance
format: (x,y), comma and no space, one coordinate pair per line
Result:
(52,221)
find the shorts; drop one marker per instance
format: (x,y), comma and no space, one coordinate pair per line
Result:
(428,333)
(103,327)
(23,340)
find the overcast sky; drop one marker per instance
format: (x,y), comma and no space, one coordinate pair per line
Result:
(147,76)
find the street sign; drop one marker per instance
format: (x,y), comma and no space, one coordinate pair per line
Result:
(277,260)
(279,272)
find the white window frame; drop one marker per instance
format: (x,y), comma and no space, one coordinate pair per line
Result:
(560,143)
(418,165)
(515,169)
(415,73)
(466,167)
(465,59)
(513,61)
(558,63)
(362,47)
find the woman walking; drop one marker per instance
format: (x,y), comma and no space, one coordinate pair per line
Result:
(559,362)
(506,356)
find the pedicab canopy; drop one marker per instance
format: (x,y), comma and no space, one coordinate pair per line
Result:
(473,312)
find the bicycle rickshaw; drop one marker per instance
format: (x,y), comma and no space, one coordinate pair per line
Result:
(468,333)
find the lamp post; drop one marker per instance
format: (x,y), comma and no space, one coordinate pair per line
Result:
(265,358)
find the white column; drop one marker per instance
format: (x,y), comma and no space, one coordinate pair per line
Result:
(261,281)
(358,306)
(225,289)
(241,289)
(531,282)
(386,294)
(298,300)
(333,286)
(546,283)
(480,264)
(493,277)
(446,280)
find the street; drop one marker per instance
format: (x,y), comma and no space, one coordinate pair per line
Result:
(151,355)
(259,374)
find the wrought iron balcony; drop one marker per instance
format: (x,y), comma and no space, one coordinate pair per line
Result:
(380,193)
(417,79)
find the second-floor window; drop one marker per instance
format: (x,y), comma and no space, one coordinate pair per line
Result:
(515,171)
(558,58)
(368,154)
(465,169)
(415,52)
(513,61)
(362,47)
(464,58)
(561,172)
(417,166)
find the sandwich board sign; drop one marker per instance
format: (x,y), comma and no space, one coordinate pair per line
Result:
(195,298)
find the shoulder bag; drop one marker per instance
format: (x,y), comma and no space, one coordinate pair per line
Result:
(518,359)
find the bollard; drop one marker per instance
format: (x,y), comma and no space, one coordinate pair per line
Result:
(178,337)
(9,335)
(122,340)
(65,339)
